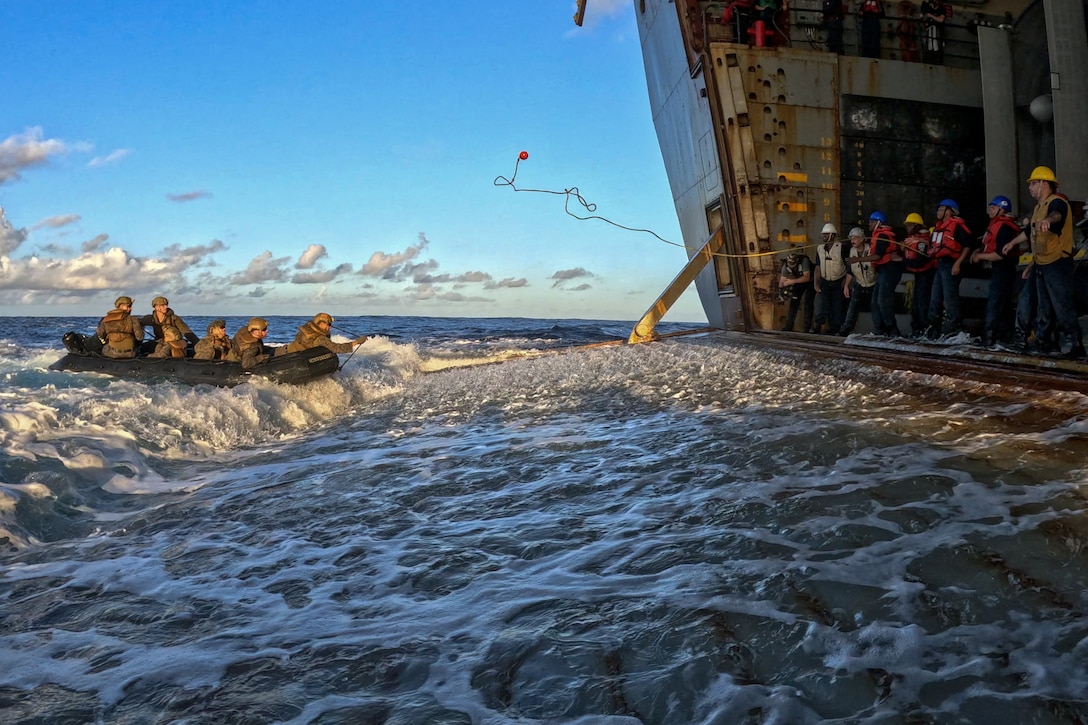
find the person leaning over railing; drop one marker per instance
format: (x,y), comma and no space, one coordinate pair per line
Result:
(834,12)
(870,11)
(934,15)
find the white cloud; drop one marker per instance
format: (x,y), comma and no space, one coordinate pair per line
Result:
(110,159)
(55,222)
(321,276)
(24,150)
(388,266)
(262,268)
(10,237)
(565,275)
(93,245)
(508,282)
(112,269)
(189,196)
(185,257)
(310,257)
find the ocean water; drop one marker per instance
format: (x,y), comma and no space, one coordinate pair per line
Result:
(492,521)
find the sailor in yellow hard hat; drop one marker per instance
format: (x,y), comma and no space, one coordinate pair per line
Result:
(1052,253)
(923,267)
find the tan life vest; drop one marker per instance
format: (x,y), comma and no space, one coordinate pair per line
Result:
(1047,246)
(118,327)
(306,338)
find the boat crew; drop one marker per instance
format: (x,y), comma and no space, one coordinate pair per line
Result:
(923,267)
(316,333)
(215,345)
(162,317)
(248,345)
(171,344)
(119,331)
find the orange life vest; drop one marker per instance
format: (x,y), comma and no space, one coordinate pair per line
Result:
(889,253)
(989,239)
(914,249)
(944,242)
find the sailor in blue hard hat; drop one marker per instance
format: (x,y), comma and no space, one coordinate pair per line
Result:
(1001,230)
(888,262)
(951,246)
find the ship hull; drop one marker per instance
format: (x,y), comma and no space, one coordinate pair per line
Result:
(765,145)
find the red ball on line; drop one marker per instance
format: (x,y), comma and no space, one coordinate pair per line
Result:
(523,155)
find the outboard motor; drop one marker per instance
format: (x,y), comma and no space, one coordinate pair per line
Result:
(74,342)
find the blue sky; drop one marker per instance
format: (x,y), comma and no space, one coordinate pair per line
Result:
(283,158)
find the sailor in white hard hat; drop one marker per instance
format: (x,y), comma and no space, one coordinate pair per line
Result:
(828,277)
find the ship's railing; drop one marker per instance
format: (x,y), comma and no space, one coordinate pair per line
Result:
(800,24)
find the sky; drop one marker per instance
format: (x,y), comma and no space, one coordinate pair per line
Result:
(269,157)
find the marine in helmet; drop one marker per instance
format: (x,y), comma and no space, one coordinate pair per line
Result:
(1001,230)
(950,244)
(922,267)
(162,317)
(795,286)
(119,331)
(215,345)
(248,345)
(828,274)
(171,344)
(1051,237)
(317,333)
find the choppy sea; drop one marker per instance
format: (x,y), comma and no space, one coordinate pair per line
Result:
(689,531)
